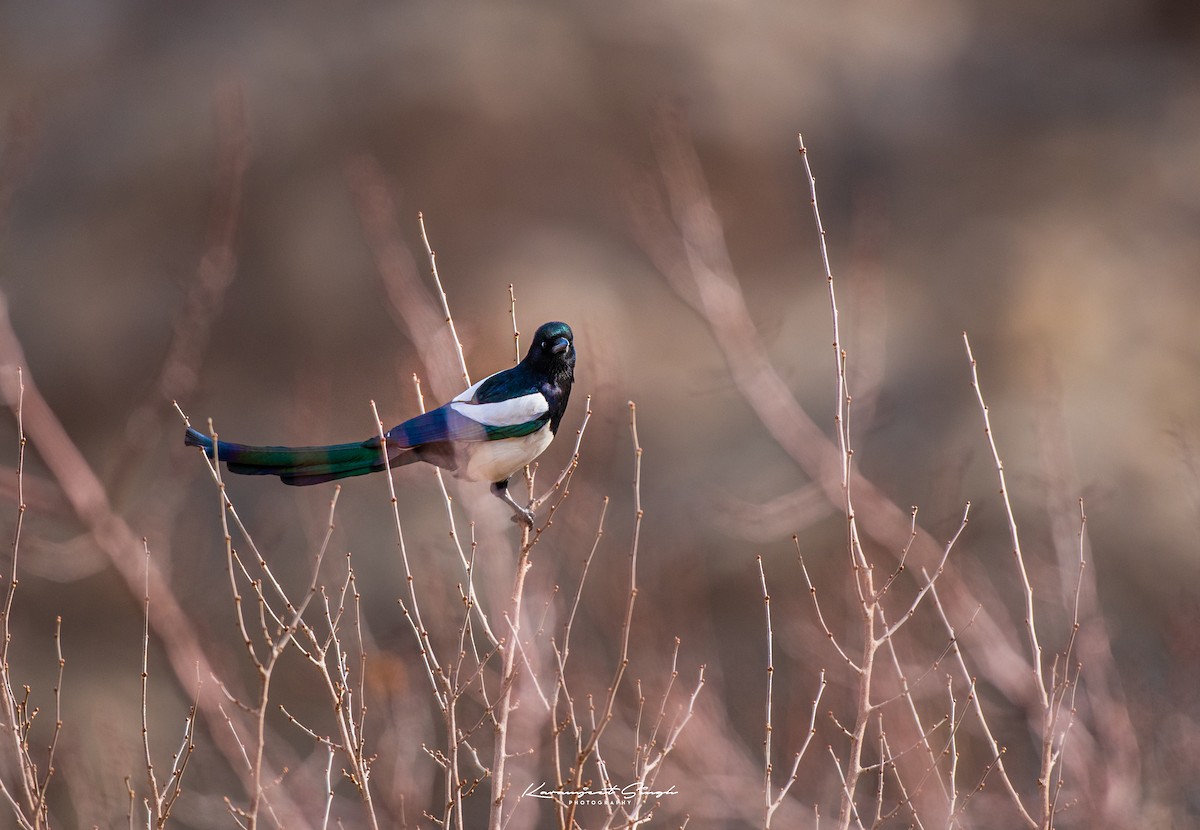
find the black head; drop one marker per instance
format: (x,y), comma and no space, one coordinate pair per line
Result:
(553,346)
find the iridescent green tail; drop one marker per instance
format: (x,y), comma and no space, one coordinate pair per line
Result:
(301,465)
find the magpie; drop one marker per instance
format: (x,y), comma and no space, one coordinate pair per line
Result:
(487,433)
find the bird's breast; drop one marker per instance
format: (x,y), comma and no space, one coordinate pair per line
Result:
(497,460)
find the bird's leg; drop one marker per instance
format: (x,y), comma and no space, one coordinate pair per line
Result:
(521,515)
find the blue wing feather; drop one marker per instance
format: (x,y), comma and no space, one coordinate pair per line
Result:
(434,426)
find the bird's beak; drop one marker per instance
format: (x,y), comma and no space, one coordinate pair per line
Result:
(560,346)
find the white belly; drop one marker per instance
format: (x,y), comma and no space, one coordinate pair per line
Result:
(497,460)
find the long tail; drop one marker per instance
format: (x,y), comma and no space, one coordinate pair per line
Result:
(301,465)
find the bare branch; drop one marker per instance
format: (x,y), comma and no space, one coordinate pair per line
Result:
(1030,627)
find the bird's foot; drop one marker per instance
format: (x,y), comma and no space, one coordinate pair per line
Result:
(523,516)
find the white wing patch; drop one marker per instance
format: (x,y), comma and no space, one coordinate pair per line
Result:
(508,413)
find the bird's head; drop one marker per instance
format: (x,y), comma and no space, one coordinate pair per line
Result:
(553,347)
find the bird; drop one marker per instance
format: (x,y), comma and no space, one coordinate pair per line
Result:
(486,433)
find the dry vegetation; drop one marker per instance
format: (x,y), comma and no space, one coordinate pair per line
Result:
(897,688)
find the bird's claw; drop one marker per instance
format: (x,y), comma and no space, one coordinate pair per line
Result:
(523,516)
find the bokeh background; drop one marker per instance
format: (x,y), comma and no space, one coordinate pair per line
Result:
(1027,172)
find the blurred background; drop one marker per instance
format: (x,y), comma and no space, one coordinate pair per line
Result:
(1027,172)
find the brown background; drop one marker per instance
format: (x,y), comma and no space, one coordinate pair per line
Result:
(1027,172)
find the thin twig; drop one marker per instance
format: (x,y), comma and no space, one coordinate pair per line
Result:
(1027,587)
(412,611)
(462,361)
(512,311)
(812,592)
(891,630)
